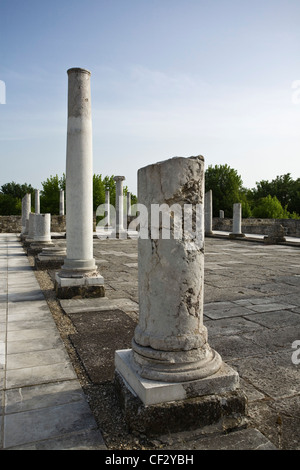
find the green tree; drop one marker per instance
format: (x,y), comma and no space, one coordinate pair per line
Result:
(11,195)
(269,207)
(227,189)
(17,190)
(10,205)
(50,194)
(286,190)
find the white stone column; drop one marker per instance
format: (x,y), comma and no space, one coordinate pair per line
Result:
(120,232)
(26,209)
(37,201)
(107,206)
(61,202)
(208,211)
(42,228)
(79,174)
(31,227)
(237,221)
(221,214)
(79,265)
(128,203)
(170,341)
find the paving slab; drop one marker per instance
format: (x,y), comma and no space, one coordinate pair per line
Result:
(252,307)
(42,402)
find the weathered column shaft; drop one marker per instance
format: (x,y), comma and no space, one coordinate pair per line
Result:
(37,201)
(26,209)
(170,341)
(119,203)
(61,202)
(79,174)
(208,211)
(107,206)
(42,228)
(237,218)
(128,203)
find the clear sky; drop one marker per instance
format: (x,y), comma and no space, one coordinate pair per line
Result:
(169,78)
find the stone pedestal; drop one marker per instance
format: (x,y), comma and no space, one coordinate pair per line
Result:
(79,274)
(276,234)
(208,211)
(50,258)
(237,222)
(171,359)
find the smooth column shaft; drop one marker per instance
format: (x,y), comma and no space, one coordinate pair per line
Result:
(79,173)
(61,202)
(119,203)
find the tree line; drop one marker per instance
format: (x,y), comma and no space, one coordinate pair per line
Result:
(276,199)
(11,194)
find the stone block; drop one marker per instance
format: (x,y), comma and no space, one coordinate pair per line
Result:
(227,409)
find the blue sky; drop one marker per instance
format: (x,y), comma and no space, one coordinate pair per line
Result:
(169,78)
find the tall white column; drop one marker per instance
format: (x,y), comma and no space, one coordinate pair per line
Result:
(61,202)
(79,274)
(120,232)
(208,211)
(128,203)
(107,206)
(26,209)
(37,201)
(79,174)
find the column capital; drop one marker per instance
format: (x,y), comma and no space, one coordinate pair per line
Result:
(119,178)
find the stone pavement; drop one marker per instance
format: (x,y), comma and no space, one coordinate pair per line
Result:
(42,403)
(252,312)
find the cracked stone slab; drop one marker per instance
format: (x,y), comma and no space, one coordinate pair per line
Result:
(216,310)
(100,304)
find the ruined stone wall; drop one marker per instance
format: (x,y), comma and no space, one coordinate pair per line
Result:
(13,223)
(259,226)
(10,223)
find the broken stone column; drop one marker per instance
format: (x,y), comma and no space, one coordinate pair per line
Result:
(120,231)
(221,214)
(31,229)
(41,233)
(208,211)
(26,209)
(237,221)
(79,274)
(171,359)
(276,234)
(37,201)
(61,202)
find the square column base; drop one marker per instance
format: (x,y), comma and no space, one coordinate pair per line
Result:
(152,392)
(236,235)
(226,412)
(81,285)
(153,407)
